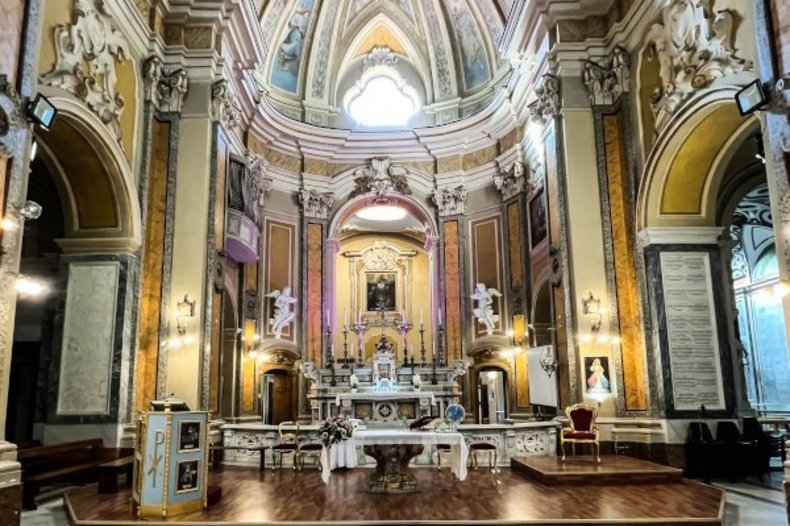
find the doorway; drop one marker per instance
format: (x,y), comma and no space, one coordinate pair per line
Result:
(277,392)
(491,396)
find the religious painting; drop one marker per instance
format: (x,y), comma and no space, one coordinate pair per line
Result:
(188,436)
(537,220)
(381,291)
(288,60)
(467,34)
(596,371)
(187,476)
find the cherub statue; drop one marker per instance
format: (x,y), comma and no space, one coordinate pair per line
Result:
(282,310)
(416,381)
(484,311)
(353,382)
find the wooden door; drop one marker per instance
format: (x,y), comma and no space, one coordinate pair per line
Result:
(281,398)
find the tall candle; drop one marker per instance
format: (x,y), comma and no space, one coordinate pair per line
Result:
(440,316)
(345,317)
(403,315)
(421,318)
(359,317)
(327,317)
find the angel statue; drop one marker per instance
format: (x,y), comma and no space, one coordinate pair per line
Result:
(282,310)
(484,311)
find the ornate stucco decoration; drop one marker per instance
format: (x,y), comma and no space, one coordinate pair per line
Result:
(379,56)
(224,108)
(512,181)
(381,177)
(12,119)
(316,204)
(780,94)
(87,52)
(166,91)
(256,187)
(548,104)
(606,83)
(693,45)
(449,201)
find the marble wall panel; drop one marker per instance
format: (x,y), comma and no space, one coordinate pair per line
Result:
(88,339)
(314,295)
(152,268)
(278,271)
(12,15)
(452,290)
(487,266)
(631,330)
(780,11)
(514,237)
(480,157)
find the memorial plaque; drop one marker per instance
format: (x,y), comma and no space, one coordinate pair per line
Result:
(692,334)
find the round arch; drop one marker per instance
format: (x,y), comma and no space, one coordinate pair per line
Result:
(413,206)
(96,183)
(687,166)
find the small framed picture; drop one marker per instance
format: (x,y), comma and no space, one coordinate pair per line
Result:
(188,435)
(597,374)
(537,219)
(188,476)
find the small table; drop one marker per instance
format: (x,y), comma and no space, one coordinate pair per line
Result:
(214,461)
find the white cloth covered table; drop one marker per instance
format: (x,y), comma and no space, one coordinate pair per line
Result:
(345,452)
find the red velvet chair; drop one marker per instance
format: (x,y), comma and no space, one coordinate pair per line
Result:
(582,430)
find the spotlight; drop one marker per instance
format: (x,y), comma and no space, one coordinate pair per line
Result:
(751,98)
(26,286)
(41,111)
(616,340)
(8,224)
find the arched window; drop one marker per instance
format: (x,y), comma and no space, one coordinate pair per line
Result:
(381,99)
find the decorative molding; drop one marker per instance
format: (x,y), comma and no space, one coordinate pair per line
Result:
(513,181)
(316,204)
(12,118)
(166,91)
(780,95)
(441,57)
(694,46)
(224,107)
(548,103)
(606,83)
(256,187)
(449,201)
(379,56)
(667,235)
(87,52)
(380,176)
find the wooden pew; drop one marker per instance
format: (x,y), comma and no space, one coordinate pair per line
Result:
(78,461)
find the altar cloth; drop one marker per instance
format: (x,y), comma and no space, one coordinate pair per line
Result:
(346,451)
(396,395)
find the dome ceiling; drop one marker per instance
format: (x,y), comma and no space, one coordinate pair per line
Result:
(442,53)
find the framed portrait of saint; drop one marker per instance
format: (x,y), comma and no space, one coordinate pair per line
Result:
(188,436)
(596,373)
(381,291)
(538,227)
(187,476)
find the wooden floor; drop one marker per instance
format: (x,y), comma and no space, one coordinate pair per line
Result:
(506,497)
(584,470)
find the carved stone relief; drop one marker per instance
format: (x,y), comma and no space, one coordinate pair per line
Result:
(512,181)
(87,52)
(441,56)
(224,108)
(379,56)
(607,82)
(693,45)
(381,177)
(547,105)
(166,91)
(316,204)
(256,188)
(449,201)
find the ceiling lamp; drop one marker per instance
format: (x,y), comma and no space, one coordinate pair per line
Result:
(382,213)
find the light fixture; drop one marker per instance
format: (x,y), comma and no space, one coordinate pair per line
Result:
(41,111)
(780,290)
(26,286)
(751,97)
(8,224)
(33,149)
(186,309)
(591,305)
(31,210)
(382,212)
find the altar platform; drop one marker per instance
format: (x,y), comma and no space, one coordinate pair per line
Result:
(582,469)
(506,497)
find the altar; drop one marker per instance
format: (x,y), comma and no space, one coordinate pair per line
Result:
(385,407)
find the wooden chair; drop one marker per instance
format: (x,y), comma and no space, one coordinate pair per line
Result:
(483,447)
(582,430)
(442,449)
(313,450)
(287,444)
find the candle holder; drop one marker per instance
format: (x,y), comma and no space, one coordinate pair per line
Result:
(440,345)
(345,347)
(434,379)
(423,363)
(404,329)
(359,329)
(330,360)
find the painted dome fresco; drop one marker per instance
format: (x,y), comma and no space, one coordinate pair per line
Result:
(382,64)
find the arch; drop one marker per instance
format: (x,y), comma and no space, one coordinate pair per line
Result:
(95,181)
(687,166)
(412,206)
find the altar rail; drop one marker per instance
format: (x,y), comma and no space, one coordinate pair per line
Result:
(511,440)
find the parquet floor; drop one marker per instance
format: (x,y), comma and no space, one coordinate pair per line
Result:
(484,498)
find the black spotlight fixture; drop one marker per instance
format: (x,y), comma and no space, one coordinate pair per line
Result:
(751,97)
(41,111)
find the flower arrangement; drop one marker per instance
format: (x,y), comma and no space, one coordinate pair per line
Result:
(335,429)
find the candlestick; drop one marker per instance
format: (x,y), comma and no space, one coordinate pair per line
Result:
(440,352)
(423,363)
(359,329)
(345,347)
(329,355)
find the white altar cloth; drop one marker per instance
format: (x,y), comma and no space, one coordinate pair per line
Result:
(376,396)
(345,452)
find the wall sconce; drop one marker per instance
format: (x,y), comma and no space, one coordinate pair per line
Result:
(591,305)
(186,309)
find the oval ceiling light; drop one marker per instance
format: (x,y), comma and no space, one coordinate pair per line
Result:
(382,213)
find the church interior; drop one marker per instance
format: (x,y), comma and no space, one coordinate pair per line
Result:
(394,262)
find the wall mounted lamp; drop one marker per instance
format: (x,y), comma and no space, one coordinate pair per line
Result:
(186,309)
